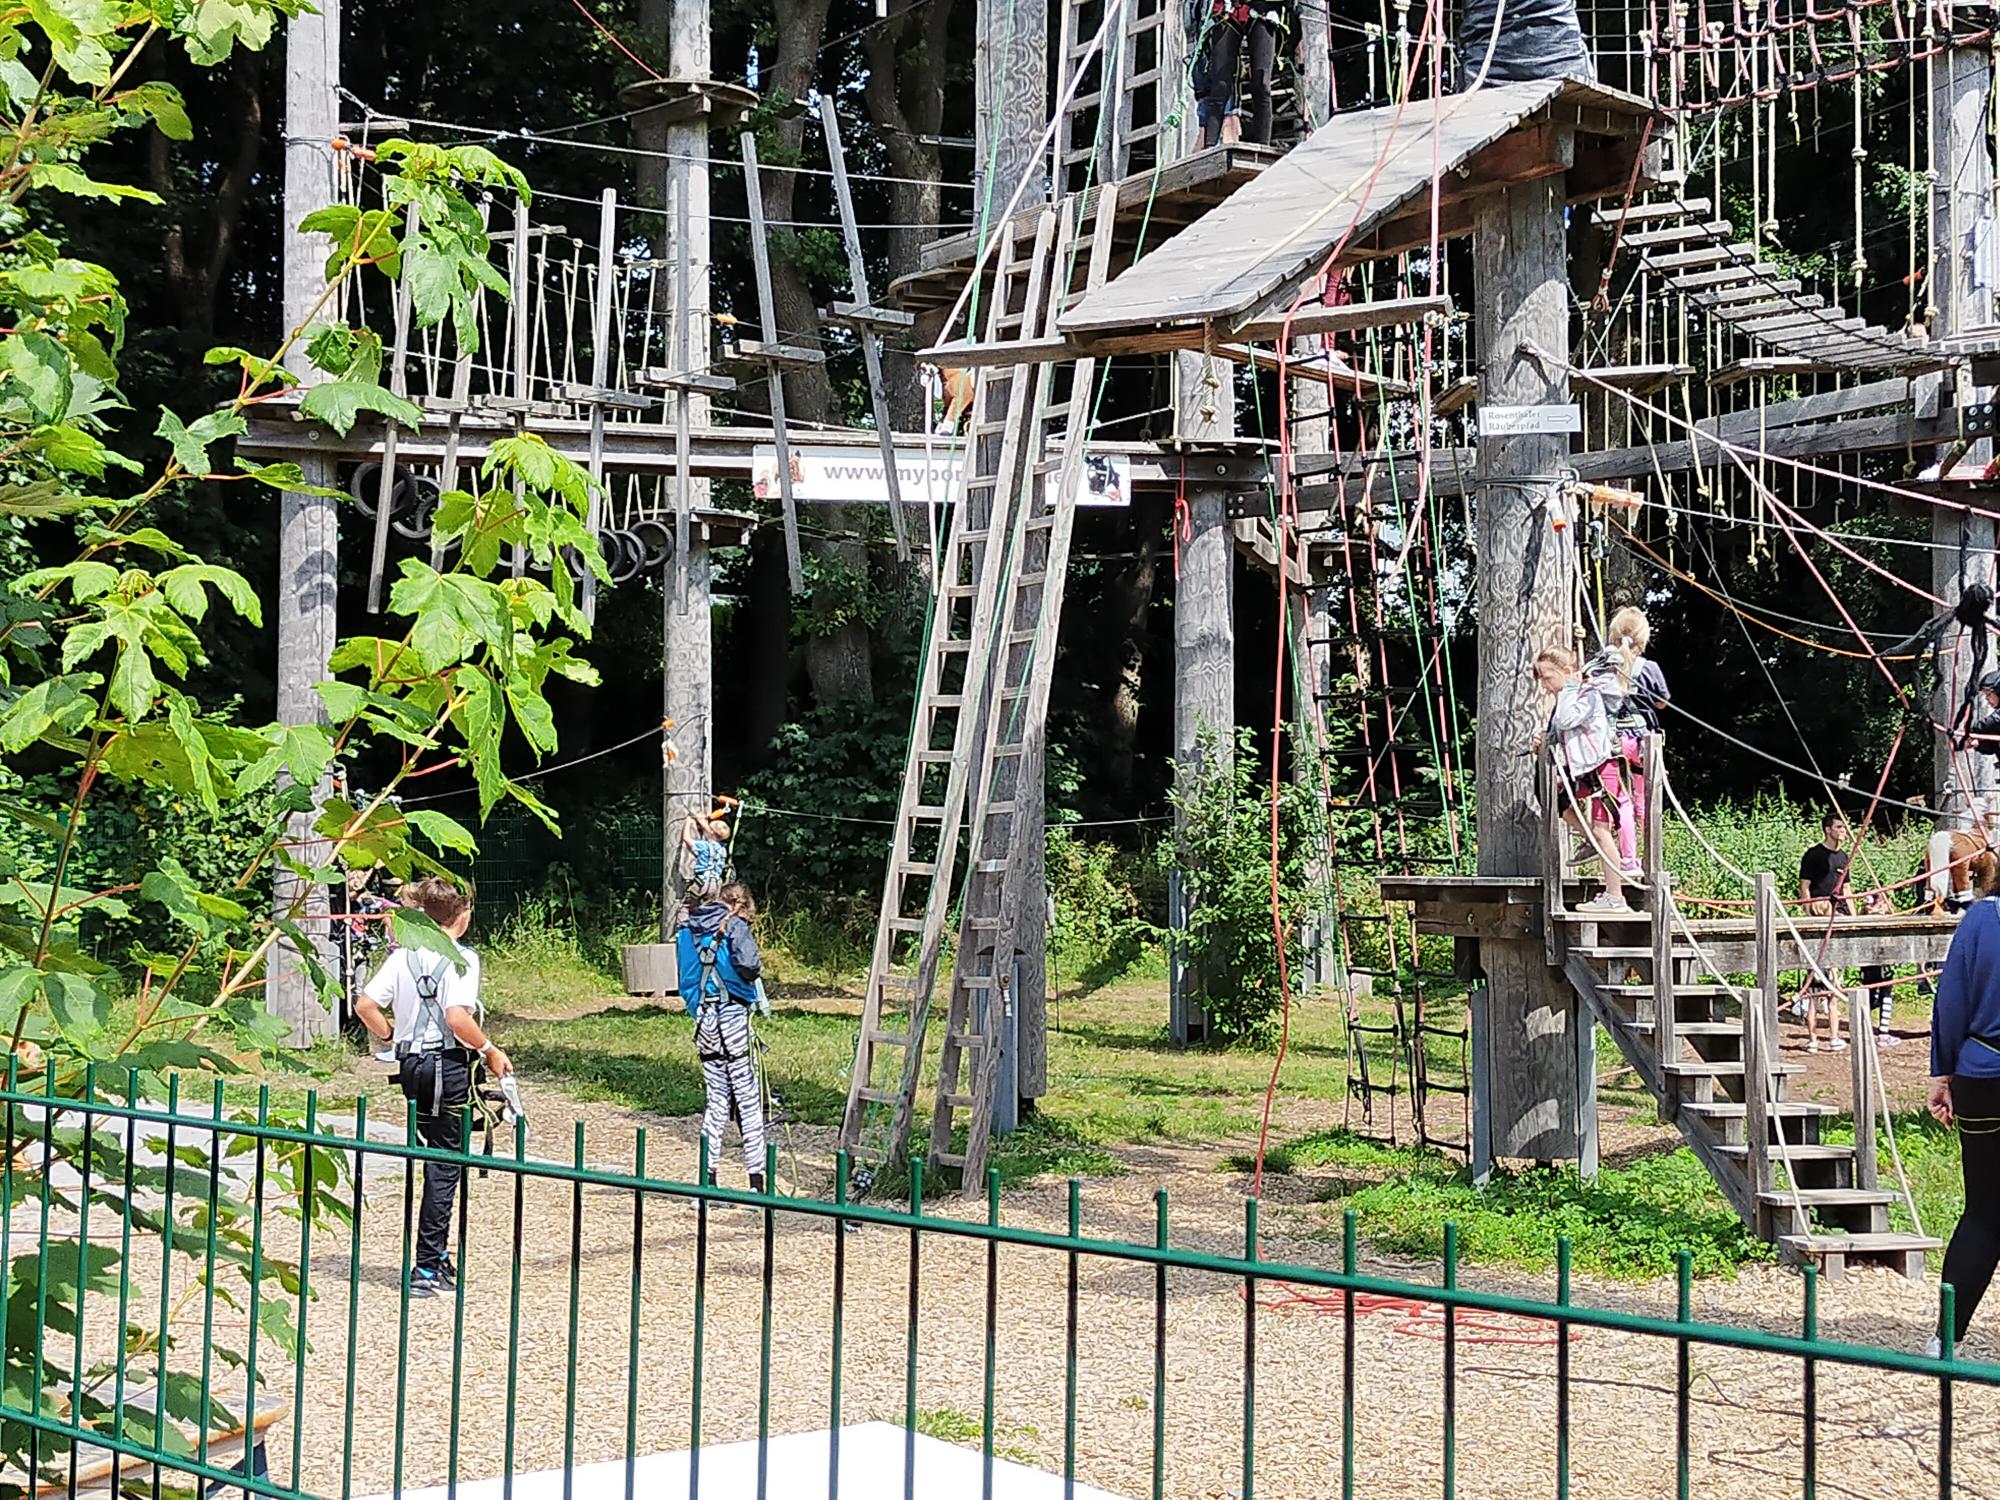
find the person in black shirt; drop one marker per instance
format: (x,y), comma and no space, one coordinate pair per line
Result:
(1823,889)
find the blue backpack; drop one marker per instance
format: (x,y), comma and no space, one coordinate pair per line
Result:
(708,972)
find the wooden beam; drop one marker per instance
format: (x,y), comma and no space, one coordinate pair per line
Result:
(1648,213)
(1310,322)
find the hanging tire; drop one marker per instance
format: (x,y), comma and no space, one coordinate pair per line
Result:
(656,542)
(416,522)
(624,555)
(366,485)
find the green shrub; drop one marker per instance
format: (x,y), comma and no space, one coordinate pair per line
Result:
(126,827)
(1109,905)
(1224,856)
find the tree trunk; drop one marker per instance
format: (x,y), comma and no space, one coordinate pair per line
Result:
(653,172)
(1128,600)
(195,269)
(904,97)
(838,662)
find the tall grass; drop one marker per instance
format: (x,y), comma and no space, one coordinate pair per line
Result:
(1770,832)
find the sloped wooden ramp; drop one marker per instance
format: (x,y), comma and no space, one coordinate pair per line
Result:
(1361,183)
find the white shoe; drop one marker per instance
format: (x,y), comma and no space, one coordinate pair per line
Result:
(1934,1347)
(1836,1046)
(1606,903)
(1812,1046)
(1885,1040)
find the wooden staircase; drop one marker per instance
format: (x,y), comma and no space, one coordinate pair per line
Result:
(1708,1052)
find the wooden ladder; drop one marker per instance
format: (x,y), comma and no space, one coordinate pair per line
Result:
(1120,120)
(1015,723)
(942,762)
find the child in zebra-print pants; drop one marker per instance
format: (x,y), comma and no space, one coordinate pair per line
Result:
(723,1042)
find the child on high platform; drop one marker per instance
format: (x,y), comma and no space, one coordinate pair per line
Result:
(1587,763)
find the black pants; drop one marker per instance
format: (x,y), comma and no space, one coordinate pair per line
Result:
(1975,1245)
(443,1131)
(1225,44)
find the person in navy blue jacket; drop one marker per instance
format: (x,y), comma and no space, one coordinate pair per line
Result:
(1965,1090)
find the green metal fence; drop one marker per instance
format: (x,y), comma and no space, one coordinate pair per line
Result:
(231,1258)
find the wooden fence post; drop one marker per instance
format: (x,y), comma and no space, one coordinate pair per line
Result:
(1861,1046)
(1760,1011)
(1660,906)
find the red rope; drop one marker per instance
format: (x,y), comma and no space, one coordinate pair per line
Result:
(1286,537)
(1415,1317)
(612,37)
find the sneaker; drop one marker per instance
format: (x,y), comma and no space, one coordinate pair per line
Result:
(1633,874)
(1934,1347)
(1812,1046)
(1606,902)
(427,1281)
(1581,855)
(1836,1046)
(1887,1039)
(448,1273)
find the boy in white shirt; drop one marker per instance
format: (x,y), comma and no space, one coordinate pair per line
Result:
(437,1035)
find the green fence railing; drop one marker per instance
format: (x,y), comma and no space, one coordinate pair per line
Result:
(218,1297)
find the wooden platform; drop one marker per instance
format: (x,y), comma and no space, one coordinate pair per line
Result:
(1184,191)
(276,432)
(1474,906)
(1361,185)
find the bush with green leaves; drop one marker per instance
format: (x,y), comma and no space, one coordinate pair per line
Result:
(1230,830)
(97,643)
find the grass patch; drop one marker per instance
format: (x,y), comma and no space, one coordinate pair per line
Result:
(949,1425)
(1628,1222)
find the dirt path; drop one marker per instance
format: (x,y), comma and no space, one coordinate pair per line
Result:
(1875,1432)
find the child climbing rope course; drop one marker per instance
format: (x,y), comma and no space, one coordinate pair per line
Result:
(720,969)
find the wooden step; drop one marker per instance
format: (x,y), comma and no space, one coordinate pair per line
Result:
(1644,1025)
(1901,1251)
(1722,1068)
(1644,991)
(1613,952)
(1827,1197)
(1791,1109)
(1794,1151)
(1647,213)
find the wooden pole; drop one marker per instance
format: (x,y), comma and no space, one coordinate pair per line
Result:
(1760,1014)
(767,315)
(1011,76)
(1861,1046)
(1521,298)
(686,649)
(308,528)
(1964,234)
(866,336)
(1204,675)
(687,776)
(600,375)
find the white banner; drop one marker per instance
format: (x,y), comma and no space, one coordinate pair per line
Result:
(853,476)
